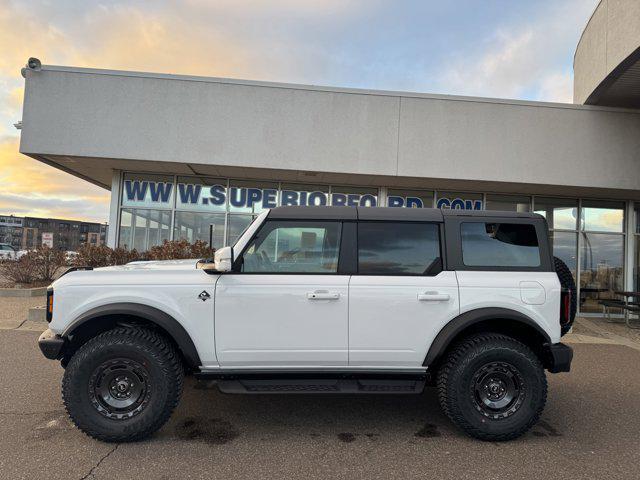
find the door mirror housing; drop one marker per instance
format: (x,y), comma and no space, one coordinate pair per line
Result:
(223,259)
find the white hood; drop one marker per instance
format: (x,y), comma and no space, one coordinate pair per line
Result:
(187,264)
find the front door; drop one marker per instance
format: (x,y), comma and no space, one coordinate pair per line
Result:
(400,298)
(286,305)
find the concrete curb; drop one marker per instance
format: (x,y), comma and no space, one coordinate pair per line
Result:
(23,292)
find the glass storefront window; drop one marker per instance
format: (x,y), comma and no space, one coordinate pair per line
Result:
(565,247)
(602,216)
(561,213)
(510,203)
(159,226)
(143,228)
(354,196)
(409,198)
(601,269)
(203,194)
(143,190)
(244,196)
(589,236)
(459,200)
(636,263)
(295,194)
(237,225)
(125,229)
(193,226)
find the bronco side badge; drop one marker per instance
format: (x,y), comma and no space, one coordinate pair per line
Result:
(204,296)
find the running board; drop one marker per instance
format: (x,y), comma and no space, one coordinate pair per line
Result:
(318,385)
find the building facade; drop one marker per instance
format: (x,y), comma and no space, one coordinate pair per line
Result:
(197,158)
(24,233)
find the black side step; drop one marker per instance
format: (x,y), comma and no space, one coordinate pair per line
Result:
(319,385)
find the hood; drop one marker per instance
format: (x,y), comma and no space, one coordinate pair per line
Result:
(188,264)
(136,273)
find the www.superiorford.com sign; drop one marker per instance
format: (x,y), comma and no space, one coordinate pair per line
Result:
(214,197)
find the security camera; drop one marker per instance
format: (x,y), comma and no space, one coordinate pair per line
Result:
(34,64)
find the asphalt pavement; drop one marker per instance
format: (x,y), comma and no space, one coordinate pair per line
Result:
(590,429)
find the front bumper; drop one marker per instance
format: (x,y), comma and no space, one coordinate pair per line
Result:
(51,345)
(557,357)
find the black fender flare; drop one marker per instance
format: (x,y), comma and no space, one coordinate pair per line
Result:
(154,315)
(465,320)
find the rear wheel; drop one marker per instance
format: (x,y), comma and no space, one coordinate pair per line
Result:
(123,384)
(492,387)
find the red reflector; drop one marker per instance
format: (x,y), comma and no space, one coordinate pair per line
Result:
(567,306)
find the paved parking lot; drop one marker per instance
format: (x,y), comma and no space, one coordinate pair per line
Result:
(589,430)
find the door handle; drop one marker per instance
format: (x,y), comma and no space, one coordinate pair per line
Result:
(433,297)
(323,295)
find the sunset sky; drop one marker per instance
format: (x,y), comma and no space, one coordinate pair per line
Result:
(495,48)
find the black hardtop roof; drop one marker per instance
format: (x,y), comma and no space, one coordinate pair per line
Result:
(386,213)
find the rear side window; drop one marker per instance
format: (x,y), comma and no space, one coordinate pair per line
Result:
(397,248)
(499,245)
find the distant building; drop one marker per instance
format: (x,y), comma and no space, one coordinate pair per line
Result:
(28,232)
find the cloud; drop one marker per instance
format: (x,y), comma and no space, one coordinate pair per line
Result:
(500,70)
(32,188)
(556,87)
(530,59)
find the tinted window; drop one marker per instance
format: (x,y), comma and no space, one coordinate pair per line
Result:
(294,247)
(499,245)
(386,248)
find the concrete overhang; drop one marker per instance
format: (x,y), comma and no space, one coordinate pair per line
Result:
(607,59)
(91,122)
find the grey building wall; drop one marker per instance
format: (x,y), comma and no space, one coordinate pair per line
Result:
(610,36)
(74,114)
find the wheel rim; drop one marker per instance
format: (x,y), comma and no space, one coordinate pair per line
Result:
(497,390)
(119,388)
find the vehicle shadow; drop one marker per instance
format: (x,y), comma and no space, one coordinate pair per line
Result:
(208,415)
(212,417)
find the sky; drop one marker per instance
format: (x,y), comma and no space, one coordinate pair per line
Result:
(520,49)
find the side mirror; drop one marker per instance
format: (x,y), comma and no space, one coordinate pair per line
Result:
(223,259)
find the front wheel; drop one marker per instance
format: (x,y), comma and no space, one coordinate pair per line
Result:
(123,384)
(492,386)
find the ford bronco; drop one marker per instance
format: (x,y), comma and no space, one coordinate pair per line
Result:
(324,300)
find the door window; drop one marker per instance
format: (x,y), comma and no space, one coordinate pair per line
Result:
(294,247)
(499,245)
(395,248)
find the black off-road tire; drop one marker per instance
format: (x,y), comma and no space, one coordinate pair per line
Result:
(158,372)
(567,283)
(458,379)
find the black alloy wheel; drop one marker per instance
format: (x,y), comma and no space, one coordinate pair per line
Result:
(498,390)
(120,388)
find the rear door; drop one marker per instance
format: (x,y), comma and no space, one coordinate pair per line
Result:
(400,297)
(505,263)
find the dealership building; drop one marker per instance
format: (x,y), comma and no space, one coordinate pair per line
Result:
(197,158)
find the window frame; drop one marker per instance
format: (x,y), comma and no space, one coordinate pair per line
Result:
(441,250)
(453,226)
(237,262)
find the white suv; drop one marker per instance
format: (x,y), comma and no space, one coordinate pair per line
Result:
(324,300)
